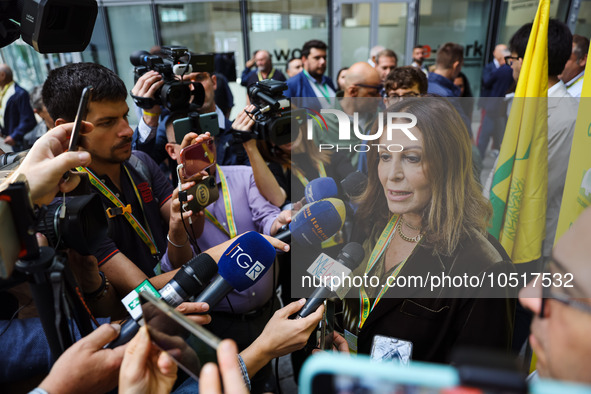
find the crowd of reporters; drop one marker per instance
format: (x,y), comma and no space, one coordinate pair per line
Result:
(261,183)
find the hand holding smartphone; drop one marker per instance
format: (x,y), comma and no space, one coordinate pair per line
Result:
(198,157)
(80,116)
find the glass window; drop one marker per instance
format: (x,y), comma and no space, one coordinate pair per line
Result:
(29,67)
(393,19)
(131,30)
(308,17)
(98,49)
(206,27)
(355,31)
(583,26)
(462,22)
(515,14)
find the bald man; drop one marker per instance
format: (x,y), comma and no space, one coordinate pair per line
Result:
(265,69)
(361,96)
(16,115)
(561,303)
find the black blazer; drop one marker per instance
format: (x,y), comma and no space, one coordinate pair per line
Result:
(438,322)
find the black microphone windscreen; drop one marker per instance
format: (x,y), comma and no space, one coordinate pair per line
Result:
(354,184)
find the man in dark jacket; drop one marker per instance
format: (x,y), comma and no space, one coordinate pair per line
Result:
(497,77)
(311,83)
(16,114)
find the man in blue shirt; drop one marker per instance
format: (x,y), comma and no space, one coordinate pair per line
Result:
(448,65)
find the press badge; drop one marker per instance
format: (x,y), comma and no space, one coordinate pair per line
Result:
(351,341)
(391,349)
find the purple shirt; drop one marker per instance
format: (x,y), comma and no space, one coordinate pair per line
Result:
(252,212)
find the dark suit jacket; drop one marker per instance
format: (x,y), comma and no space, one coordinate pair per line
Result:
(299,86)
(438,324)
(19,118)
(495,83)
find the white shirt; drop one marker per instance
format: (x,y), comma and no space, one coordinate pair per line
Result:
(575,85)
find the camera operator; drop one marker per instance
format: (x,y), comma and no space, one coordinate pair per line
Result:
(263,177)
(227,152)
(147,137)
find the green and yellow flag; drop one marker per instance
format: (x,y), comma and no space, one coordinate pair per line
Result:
(520,182)
(577,189)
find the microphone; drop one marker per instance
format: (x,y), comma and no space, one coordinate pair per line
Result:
(352,186)
(349,258)
(315,222)
(321,188)
(244,262)
(189,280)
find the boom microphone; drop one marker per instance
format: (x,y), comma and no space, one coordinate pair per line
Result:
(316,222)
(189,280)
(246,261)
(348,259)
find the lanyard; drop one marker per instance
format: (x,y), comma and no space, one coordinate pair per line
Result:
(270,76)
(145,235)
(231,232)
(303,179)
(378,251)
(321,86)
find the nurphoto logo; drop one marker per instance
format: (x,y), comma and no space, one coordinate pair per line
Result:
(345,130)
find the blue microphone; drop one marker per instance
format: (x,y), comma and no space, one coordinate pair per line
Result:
(315,222)
(244,262)
(321,188)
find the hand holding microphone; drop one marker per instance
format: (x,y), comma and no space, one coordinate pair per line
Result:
(348,259)
(315,222)
(243,264)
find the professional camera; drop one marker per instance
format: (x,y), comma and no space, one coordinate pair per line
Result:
(81,224)
(273,116)
(204,193)
(49,26)
(175,94)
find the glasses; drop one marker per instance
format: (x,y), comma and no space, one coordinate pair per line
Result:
(376,87)
(509,59)
(564,299)
(394,98)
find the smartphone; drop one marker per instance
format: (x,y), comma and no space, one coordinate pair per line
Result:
(198,157)
(207,122)
(340,373)
(80,116)
(171,331)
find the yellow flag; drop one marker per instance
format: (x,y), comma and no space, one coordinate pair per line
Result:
(520,182)
(577,189)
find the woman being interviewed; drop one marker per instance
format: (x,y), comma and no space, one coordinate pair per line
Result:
(423,215)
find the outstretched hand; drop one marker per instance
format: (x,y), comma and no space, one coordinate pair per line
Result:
(47,161)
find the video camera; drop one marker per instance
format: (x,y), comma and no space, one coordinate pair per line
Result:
(49,26)
(79,223)
(175,94)
(273,116)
